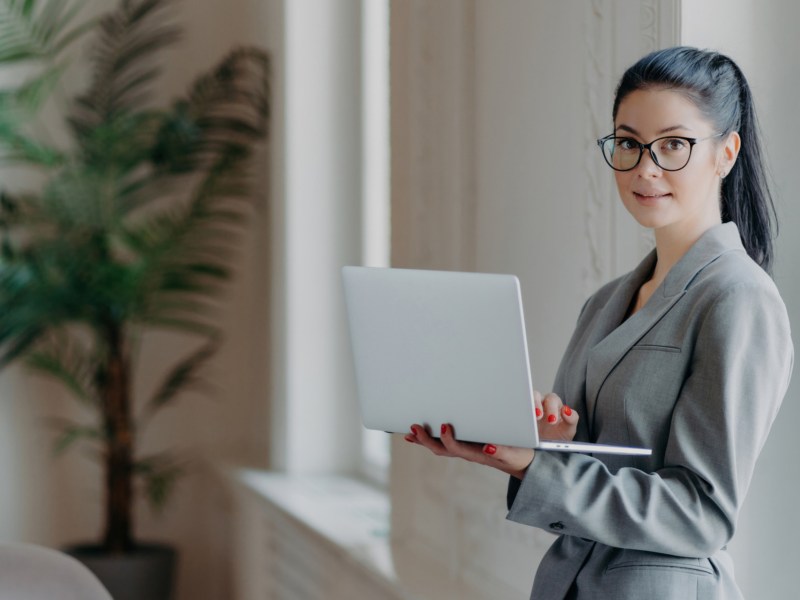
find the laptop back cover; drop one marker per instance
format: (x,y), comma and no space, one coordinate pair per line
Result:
(435,347)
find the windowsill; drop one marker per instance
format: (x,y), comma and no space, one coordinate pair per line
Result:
(352,519)
(347,513)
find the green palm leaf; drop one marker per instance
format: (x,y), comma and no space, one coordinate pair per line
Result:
(224,113)
(71,433)
(159,473)
(182,376)
(124,63)
(67,361)
(187,252)
(19,105)
(38,29)
(29,309)
(17,108)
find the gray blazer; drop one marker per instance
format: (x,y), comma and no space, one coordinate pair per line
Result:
(698,375)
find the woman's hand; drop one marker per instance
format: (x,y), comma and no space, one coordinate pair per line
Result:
(556,420)
(508,459)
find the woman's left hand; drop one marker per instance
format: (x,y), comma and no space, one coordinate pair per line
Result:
(509,459)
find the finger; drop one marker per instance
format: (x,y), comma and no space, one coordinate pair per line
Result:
(570,418)
(419,432)
(537,402)
(569,415)
(425,439)
(552,404)
(466,450)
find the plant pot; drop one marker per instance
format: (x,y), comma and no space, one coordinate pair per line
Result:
(146,573)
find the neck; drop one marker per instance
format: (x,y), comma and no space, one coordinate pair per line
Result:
(673,242)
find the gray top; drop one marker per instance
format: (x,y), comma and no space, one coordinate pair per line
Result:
(697,374)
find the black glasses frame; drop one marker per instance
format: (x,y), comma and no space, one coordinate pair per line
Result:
(649,147)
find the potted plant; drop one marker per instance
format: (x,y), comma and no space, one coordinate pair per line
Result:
(131,227)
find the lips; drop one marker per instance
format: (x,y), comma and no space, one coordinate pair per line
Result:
(650,196)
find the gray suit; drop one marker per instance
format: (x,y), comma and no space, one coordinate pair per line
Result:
(698,375)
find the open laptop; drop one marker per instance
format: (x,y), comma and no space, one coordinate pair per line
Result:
(433,347)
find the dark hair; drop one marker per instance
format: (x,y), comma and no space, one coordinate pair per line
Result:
(716,85)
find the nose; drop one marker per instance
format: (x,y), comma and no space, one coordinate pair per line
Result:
(647,167)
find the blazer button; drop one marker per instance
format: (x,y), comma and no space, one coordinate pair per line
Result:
(557,526)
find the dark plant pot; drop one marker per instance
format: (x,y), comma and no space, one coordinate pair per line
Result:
(146,573)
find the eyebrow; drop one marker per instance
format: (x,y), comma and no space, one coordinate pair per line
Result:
(667,130)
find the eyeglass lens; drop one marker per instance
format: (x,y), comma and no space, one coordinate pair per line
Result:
(669,153)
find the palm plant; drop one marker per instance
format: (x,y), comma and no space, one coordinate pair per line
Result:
(131,227)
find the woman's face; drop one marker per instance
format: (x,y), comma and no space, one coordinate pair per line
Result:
(685,201)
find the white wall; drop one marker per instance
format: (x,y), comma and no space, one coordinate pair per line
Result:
(762,38)
(531,194)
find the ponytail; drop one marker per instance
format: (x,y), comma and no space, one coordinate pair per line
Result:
(746,199)
(716,85)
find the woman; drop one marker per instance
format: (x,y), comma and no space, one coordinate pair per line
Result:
(690,354)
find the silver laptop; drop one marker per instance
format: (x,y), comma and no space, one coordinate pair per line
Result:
(433,347)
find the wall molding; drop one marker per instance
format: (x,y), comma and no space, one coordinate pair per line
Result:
(600,194)
(615,243)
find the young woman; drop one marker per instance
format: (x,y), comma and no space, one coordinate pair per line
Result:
(690,354)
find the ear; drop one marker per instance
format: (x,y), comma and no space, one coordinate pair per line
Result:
(729,151)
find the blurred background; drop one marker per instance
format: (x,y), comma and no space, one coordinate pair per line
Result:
(452,134)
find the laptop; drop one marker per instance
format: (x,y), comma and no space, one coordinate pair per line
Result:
(433,347)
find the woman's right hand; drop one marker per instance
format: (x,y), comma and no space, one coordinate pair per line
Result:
(556,420)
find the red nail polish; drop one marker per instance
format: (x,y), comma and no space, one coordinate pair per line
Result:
(414,430)
(552,419)
(567,411)
(490,449)
(538,412)
(408,438)
(444,429)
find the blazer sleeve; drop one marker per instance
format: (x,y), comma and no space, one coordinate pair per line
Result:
(740,371)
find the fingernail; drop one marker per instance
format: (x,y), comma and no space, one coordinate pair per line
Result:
(567,411)
(552,419)
(444,429)
(414,430)
(408,438)
(538,412)
(490,449)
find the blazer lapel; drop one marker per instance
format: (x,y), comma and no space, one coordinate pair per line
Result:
(617,337)
(613,337)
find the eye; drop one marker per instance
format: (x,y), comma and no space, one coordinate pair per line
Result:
(673,145)
(626,144)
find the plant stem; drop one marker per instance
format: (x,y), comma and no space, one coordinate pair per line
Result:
(119,457)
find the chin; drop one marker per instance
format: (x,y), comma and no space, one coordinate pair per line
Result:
(650,222)
(651,219)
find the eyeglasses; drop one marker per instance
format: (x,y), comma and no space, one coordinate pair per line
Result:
(668,153)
